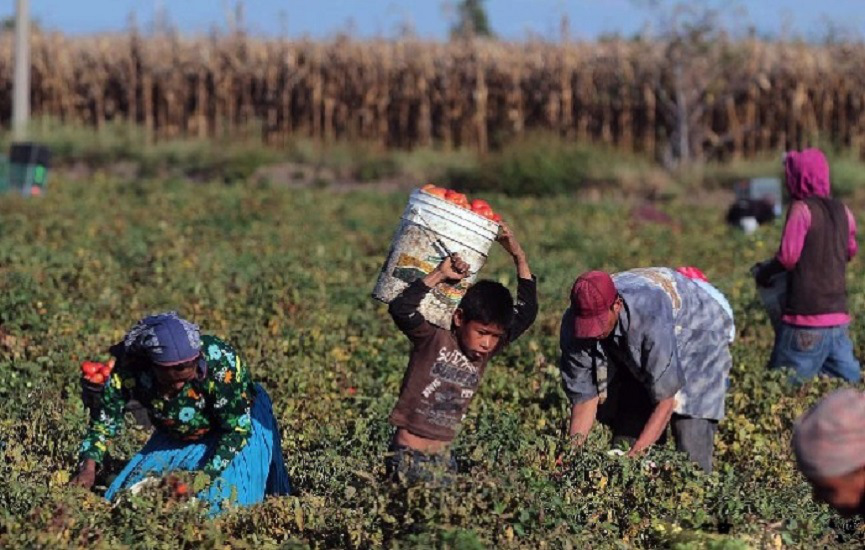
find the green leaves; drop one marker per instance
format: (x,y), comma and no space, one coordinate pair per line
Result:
(284,275)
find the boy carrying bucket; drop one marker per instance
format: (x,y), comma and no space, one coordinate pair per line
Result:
(445,366)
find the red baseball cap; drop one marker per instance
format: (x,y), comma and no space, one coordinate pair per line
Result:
(592,296)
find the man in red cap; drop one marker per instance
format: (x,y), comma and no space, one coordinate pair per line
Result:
(643,349)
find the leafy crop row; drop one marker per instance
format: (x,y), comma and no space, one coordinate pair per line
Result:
(285,275)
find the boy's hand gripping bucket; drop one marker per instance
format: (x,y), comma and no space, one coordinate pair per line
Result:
(430,229)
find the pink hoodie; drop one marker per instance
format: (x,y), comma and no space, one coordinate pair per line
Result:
(808,176)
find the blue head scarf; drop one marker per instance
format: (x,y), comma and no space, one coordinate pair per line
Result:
(164,339)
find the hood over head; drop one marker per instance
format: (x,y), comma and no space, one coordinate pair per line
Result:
(807,174)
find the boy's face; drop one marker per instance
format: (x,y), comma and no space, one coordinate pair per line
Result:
(477,340)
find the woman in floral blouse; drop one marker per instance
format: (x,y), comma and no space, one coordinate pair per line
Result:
(208,414)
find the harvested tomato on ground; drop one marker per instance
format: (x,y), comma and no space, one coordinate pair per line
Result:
(182,489)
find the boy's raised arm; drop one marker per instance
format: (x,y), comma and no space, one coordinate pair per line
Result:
(526,308)
(513,247)
(404,308)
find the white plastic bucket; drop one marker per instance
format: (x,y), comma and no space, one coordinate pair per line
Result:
(415,251)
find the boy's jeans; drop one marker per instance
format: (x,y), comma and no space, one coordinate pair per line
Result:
(810,351)
(417,467)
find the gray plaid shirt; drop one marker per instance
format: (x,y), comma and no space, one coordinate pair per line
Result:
(673,335)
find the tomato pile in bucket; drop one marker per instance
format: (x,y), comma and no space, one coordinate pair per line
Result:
(478,206)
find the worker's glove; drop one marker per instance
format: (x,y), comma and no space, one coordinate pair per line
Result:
(765,271)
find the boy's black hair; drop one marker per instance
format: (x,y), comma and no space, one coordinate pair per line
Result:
(488,302)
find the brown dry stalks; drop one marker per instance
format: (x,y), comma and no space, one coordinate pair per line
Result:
(746,97)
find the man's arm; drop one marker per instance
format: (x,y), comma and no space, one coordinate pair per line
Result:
(577,367)
(582,419)
(658,366)
(655,426)
(526,308)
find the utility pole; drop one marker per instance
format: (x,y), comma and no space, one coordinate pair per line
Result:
(21,90)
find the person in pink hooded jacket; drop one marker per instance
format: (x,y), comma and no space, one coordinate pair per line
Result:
(819,239)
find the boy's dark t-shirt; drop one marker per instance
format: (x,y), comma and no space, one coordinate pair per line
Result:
(440,381)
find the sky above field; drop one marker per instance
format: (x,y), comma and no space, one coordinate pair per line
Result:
(511,19)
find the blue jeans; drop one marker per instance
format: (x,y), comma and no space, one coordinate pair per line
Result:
(810,351)
(404,463)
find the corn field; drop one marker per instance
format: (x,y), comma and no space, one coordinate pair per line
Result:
(729,100)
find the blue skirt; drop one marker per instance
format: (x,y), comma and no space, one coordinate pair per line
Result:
(257,470)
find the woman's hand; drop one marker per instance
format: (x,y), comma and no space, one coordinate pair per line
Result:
(86,476)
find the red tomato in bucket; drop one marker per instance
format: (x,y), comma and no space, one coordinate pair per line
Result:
(97,378)
(479,205)
(458,199)
(483,208)
(434,190)
(485,212)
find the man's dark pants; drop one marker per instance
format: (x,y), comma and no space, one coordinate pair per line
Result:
(629,407)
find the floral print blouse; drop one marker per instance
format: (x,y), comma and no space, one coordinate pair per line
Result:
(218,400)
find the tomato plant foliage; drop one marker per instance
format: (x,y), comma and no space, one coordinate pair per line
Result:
(285,275)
